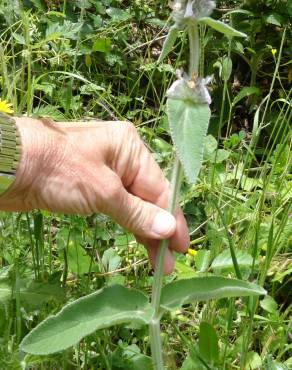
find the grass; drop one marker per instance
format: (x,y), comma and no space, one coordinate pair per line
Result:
(243,198)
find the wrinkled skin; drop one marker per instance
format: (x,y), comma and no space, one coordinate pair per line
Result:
(85,168)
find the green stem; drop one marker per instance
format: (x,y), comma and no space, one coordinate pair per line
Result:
(172,202)
(194,43)
(154,326)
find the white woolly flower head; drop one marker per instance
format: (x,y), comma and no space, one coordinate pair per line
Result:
(190,89)
(184,10)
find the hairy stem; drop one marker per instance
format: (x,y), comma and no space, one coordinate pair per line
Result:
(155,340)
(172,202)
(194,42)
(154,326)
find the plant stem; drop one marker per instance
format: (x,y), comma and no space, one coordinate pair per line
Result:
(172,202)
(154,326)
(194,44)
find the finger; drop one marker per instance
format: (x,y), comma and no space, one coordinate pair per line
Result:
(138,216)
(168,259)
(182,246)
(151,185)
(179,241)
(149,182)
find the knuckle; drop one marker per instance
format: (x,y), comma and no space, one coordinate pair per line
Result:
(129,126)
(111,194)
(129,130)
(137,218)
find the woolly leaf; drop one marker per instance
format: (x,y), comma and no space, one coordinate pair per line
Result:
(108,306)
(222,27)
(181,292)
(168,43)
(188,126)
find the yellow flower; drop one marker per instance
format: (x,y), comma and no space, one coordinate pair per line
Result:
(5,107)
(192,252)
(274,51)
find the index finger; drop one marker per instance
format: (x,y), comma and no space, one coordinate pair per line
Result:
(151,185)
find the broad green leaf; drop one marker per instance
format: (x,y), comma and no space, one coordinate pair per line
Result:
(244,93)
(184,271)
(65,30)
(102,45)
(192,363)
(188,126)
(210,146)
(111,260)
(225,67)
(222,27)
(79,262)
(202,259)
(274,18)
(181,292)
(208,343)
(32,293)
(168,43)
(269,304)
(132,359)
(211,153)
(19,38)
(108,306)
(223,262)
(119,15)
(253,361)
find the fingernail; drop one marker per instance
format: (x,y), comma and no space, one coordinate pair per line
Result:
(163,224)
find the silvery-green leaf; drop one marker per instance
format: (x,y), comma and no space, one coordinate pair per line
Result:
(197,289)
(109,306)
(222,27)
(168,43)
(188,126)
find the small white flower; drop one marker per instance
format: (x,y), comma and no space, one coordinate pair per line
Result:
(185,10)
(190,89)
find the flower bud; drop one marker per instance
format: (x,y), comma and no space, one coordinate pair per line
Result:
(186,10)
(190,89)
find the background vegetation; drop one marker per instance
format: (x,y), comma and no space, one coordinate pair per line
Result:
(71,60)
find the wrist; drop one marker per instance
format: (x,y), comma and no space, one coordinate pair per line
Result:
(40,141)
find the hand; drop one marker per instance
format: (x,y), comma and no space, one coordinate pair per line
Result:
(85,168)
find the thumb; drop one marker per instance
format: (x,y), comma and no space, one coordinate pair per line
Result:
(140,217)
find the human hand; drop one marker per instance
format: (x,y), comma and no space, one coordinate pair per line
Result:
(85,168)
